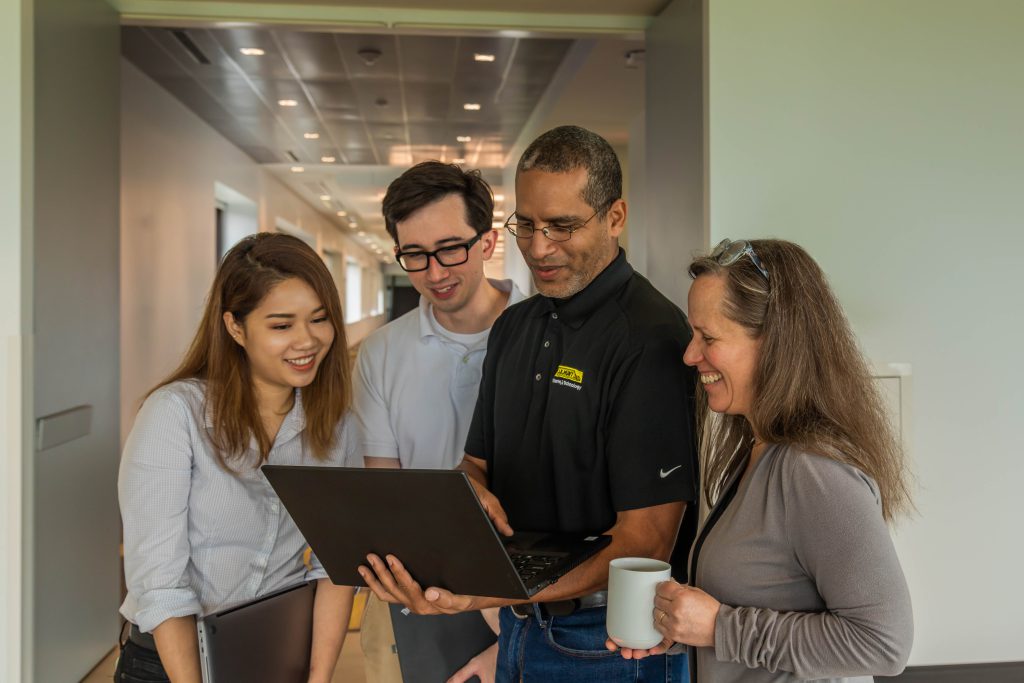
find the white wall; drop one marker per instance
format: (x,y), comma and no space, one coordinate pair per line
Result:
(886,138)
(171,161)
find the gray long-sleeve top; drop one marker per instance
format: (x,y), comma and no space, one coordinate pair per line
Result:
(809,581)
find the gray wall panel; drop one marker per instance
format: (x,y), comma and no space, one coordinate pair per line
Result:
(76,527)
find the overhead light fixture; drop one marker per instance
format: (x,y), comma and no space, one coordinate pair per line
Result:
(297,169)
(342,214)
(499,197)
(327,160)
(352,224)
(464,138)
(288,103)
(325,197)
(471,106)
(458,161)
(311,136)
(361,233)
(481,57)
(498,213)
(497,224)
(252,51)
(369,55)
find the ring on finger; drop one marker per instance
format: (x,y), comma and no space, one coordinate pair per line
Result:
(661,619)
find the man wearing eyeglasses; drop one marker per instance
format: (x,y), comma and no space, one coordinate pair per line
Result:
(584,420)
(416,383)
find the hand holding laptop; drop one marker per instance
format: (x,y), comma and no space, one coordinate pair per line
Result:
(391,582)
(489,502)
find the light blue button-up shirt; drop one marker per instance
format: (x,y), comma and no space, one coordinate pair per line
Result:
(197,538)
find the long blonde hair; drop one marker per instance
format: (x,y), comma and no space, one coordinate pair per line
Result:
(812,387)
(246,275)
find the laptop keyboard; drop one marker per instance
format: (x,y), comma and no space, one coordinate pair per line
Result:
(530,566)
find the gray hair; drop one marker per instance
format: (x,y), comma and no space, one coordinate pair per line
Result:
(567,148)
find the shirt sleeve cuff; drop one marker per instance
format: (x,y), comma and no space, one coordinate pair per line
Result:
(157,606)
(316,569)
(726,630)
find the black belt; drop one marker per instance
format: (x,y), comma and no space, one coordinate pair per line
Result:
(141,639)
(562,608)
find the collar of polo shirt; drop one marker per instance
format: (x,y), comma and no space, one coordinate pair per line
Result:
(576,309)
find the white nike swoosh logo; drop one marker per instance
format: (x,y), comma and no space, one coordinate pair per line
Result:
(664,474)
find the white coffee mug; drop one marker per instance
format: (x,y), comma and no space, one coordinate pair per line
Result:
(632,582)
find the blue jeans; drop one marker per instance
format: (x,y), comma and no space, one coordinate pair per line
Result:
(536,650)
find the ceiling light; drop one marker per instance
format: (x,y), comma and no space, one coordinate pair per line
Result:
(288,103)
(499,197)
(352,224)
(297,169)
(311,136)
(464,138)
(471,106)
(361,233)
(497,224)
(369,55)
(458,161)
(325,197)
(342,214)
(480,57)
(327,160)
(498,213)
(252,51)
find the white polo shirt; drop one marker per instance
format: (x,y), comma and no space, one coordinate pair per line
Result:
(415,388)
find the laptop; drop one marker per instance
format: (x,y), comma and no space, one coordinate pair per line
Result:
(431,520)
(267,640)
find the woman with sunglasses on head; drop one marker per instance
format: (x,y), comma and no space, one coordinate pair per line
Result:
(794,575)
(266,380)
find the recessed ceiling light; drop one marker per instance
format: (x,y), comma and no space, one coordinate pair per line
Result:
(297,169)
(328,160)
(352,224)
(497,224)
(361,233)
(471,106)
(464,138)
(288,103)
(343,213)
(481,57)
(458,161)
(498,213)
(252,51)
(499,197)
(311,136)
(325,197)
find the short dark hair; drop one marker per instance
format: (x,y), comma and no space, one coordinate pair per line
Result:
(431,181)
(566,148)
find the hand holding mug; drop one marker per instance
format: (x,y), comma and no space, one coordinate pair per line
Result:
(684,614)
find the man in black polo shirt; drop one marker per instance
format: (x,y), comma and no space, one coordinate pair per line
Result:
(584,420)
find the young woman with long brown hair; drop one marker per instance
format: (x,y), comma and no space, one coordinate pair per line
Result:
(794,575)
(266,379)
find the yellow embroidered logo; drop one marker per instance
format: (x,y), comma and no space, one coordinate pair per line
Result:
(571,374)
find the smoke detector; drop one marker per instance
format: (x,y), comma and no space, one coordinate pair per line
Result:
(369,55)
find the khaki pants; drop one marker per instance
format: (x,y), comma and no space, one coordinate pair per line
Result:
(378,640)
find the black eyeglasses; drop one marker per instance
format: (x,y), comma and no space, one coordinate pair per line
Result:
(557,232)
(728,252)
(452,255)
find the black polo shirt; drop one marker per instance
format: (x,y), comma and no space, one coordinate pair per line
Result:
(586,408)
